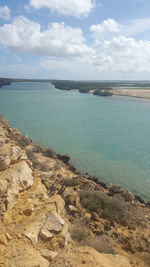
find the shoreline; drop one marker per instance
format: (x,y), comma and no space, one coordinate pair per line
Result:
(66,159)
(117,91)
(50,211)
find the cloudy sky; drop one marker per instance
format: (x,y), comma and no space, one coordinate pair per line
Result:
(75,39)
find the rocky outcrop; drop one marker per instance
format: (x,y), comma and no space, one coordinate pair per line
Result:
(86,256)
(50,215)
(15,179)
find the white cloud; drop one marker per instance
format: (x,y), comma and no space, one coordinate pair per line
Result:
(54,64)
(117,49)
(5,12)
(59,40)
(76,8)
(124,54)
(109,25)
(110,28)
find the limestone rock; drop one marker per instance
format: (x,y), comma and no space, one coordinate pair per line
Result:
(4,161)
(86,256)
(45,234)
(24,255)
(72,209)
(17,154)
(15,179)
(48,254)
(33,232)
(54,222)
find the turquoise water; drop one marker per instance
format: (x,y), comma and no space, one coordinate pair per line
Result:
(107,137)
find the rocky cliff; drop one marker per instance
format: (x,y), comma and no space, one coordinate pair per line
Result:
(52,216)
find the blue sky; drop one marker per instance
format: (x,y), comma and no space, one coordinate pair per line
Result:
(75,39)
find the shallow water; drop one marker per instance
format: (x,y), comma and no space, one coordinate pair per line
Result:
(108,137)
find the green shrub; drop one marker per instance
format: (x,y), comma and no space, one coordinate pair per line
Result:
(24,141)
(101,245)
(69,182)
(105,206)
(37,149)
(50,153)
(56,167)
(43,166)
(79,234)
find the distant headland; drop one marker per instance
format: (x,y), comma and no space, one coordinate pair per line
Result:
(139,89)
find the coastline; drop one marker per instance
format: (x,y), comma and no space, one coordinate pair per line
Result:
(137,93)
(117,91)
(66,159)
(51,213)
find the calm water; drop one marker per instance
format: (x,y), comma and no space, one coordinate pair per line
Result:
(107,137)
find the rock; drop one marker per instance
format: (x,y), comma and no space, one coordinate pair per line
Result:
(86,256)
(95,216)
(8,236)
(102,184)
(71,197)
(17,154)
(24,255)
(45,234)
(128,196)
(48,254)
(134,245)
(4,161)
(66,236)
(88,215)
(72,209)
(115,189)
(138,198)
(3,239)
(148,204)
(65,158)
(15,179)
(33,232)
(54,222)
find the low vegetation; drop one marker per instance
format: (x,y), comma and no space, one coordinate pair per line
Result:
(24,141)
(70,182)
(85,86)
(105,206)
(80,235)
(104,92)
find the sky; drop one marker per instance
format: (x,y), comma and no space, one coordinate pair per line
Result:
(75,39)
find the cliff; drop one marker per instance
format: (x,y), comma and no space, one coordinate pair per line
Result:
(52,216)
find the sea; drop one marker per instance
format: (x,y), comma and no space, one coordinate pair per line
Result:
(107,137)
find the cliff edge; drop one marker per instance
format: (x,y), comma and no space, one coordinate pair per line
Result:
(52,216)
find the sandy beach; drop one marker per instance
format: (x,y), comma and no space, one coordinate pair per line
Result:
(140,93)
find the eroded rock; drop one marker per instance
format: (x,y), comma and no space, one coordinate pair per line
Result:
(15,179)
(4,161)
(86,256)
(54,222)
(48,254)
(45,234)
(24,255)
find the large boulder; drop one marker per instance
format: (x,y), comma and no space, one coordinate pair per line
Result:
(17,178)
